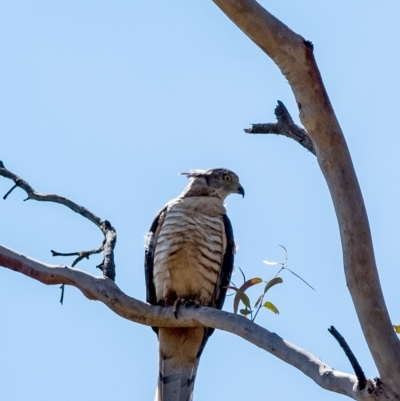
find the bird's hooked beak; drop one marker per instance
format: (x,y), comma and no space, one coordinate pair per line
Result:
(240,190)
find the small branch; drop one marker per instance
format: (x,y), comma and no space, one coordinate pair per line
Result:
(285,126)
(110,235)
(81,255)
(362,381)
(108,264)
(62,288)
(8,193)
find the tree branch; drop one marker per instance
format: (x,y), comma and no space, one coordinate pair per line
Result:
(285,126)
(110,235)
(362,380)
(81,255)
(294,56)
(107,292)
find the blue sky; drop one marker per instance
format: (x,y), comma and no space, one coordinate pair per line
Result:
(105,103)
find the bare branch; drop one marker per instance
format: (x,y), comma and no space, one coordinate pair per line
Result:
(107,292)
(362,380)
(110,235)
(285,126)
(9,192)
(294,56)
(81,255)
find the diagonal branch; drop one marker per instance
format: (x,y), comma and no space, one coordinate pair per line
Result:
(294,57)
(362,380)
(107,292)
(110,235)
(285,126)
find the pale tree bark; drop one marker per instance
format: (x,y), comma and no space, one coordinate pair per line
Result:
(106,291)
(323,136)
(294,57)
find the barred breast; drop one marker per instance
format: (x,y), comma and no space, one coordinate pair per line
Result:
(189,251)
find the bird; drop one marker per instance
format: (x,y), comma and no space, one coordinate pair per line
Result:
(189,256)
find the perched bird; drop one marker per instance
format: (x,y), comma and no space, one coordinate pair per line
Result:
(189,260)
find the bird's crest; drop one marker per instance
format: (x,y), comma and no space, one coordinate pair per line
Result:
(195,173)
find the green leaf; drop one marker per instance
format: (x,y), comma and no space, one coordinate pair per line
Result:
(260,298)
(244,298)
(236,300)
(245,312)
(396,328)
(249,283)
(271,307)
(241,296)
(271,283)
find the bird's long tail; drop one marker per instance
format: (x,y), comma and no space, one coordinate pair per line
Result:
(180,351)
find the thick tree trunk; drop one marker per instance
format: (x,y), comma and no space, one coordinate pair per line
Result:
(294,56)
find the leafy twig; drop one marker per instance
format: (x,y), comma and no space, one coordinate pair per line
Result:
(284,267)
(242,296)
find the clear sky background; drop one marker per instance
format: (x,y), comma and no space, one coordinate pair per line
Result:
(105,102)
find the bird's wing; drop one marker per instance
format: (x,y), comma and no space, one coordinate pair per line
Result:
(224,277)
(151,240)
(225,272)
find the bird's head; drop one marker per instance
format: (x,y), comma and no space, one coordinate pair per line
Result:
(218,182)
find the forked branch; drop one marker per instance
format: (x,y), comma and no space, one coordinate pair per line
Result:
(284,126)
(110,235)
(294,57)
(107,292)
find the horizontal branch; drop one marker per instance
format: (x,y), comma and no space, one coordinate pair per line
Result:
(107,292)
(285,126)
(110,235)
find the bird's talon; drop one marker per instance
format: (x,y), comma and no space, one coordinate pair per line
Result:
(186,303)
(176,306)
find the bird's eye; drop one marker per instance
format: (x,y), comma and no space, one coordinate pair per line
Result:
(227,178)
